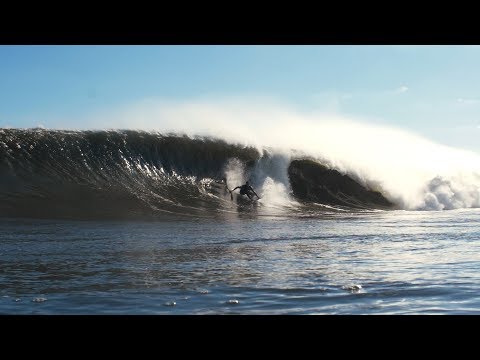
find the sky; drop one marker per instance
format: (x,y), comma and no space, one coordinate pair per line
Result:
(432,91)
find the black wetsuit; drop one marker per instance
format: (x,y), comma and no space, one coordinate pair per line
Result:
(245,189)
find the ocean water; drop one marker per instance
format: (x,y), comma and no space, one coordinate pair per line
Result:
(380,262)
(136,222)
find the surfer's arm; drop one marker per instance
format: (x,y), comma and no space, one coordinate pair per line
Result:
(254,192)
(231,191)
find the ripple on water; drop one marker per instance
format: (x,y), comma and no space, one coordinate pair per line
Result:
(39,299)
(354,288)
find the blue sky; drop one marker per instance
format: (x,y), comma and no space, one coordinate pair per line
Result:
(433,91)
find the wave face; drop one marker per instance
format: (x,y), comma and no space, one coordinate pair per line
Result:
(131,174)
(108,173)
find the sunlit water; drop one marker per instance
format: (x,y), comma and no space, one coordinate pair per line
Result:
(393,262)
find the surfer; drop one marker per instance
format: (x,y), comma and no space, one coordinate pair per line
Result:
(246,189)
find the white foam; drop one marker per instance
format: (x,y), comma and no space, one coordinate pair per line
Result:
(235,173)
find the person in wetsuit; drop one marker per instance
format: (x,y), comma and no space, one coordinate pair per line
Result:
(246,189)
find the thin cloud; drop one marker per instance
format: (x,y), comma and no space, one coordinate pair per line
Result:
(402,89)
(468,101)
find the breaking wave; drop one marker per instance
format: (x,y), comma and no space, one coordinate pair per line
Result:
(140,174)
